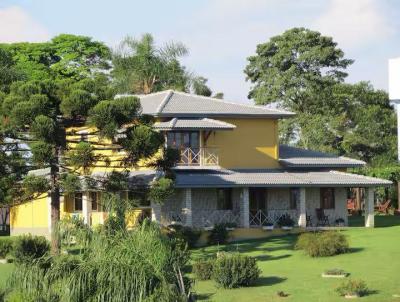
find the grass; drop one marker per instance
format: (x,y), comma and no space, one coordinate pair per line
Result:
(374,257)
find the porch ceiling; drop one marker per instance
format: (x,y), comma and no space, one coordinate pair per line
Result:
(274,178)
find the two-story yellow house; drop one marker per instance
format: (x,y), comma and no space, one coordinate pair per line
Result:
(232,169)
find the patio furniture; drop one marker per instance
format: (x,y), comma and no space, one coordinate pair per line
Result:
(383,207)
(323,220)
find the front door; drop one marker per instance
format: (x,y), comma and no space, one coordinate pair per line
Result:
(257,206)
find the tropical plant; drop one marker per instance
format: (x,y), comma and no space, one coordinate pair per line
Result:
(138,265)
(6,245)
(187,234)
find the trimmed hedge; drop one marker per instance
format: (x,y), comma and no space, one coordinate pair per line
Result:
(235,270)
(203,269)
(27,248)
(323,244)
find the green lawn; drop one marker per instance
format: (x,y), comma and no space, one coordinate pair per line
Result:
(375,258)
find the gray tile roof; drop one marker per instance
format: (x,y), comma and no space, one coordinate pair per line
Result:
(292,157)
(187,124)
(179,104)
(274,178)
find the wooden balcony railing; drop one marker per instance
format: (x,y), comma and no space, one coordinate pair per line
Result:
(199,157)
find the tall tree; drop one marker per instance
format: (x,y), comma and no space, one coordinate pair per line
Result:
(303,71)
(64,56)
(142,67)
(295,67)
(38,113)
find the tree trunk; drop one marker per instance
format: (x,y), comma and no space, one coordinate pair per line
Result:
(55,210)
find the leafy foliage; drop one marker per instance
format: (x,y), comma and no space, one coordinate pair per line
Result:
(161,189)
(323,244)
(141,265)
(285,220)
(184,233)
(353,288)
(218,235)
(28,248)
(203,269)
(6,245)
(235,270)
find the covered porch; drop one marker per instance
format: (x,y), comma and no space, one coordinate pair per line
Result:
(317,199)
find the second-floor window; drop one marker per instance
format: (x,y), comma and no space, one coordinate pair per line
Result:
(183,139)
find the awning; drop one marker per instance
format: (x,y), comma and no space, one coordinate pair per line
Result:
(193,124)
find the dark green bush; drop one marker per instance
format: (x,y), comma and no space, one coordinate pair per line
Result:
(235,270)
(27,248)
(353,288)
(285,220)
(323,244)
(187,234)
(218,235)
(203,269)
(5,247)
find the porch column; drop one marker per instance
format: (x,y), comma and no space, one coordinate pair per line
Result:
(155,212)
(244,209)
(302,209)
(369,208)
(188,207)
(86,207)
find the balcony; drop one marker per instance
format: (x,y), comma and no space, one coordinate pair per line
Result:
(199,157)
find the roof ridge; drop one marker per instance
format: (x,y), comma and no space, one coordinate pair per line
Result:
(151,94)
(233,103)
(164,102)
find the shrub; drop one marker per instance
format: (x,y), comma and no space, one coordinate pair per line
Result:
(218,235)
(189,235)
(353,288)
(27,248)
(5,247)
(285,220)
(323,244)
(235,270)
(203,269)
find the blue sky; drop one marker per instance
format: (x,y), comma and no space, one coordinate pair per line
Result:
(220,34)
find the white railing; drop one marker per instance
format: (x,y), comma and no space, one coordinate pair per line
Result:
(260,217)
(209,218)
(173,217)
(199,157)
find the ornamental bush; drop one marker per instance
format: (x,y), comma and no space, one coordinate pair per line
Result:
(323,244)
(353,288)
(187,234)
(5,247)
(218,235)
(27,248)
(203,269)
(235,270)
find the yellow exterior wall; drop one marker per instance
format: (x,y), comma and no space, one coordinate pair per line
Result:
(252,144)
(30,217)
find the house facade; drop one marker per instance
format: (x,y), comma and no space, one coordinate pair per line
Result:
(232,169)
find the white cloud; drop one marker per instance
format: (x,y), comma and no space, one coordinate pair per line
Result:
(16,25)
(354,23)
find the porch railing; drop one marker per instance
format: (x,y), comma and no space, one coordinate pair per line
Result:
(199,157)
(208,218)
(260,217)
